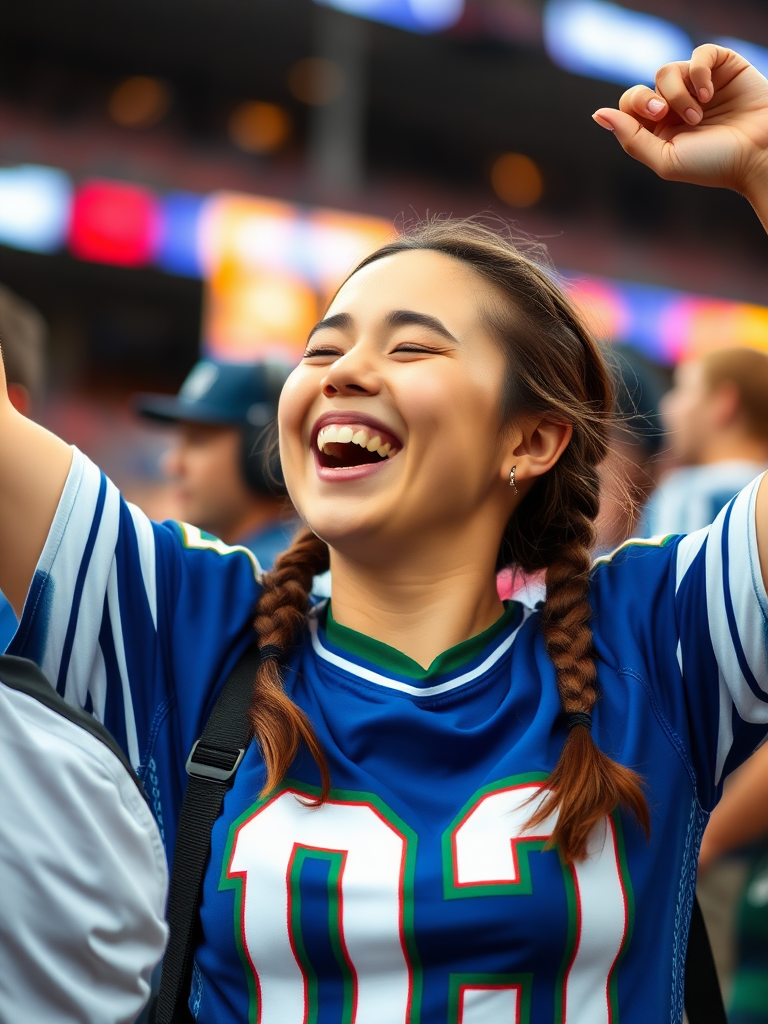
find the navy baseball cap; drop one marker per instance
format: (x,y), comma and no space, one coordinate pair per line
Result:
(214,392)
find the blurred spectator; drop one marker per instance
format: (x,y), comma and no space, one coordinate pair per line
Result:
(24,337)
(227,482)
(716,416)
(628,472)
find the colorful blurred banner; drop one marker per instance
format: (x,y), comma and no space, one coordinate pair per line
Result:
(270,266)
(663,324)
(112,222)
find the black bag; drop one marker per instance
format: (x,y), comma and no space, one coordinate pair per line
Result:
(211,766)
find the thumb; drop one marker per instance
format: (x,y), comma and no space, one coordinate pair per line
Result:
(633,137)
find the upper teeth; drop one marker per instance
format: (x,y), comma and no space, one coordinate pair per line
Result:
(364,436)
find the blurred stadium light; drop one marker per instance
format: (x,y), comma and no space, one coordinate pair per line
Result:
(603,40)
(412,15)
(35,204)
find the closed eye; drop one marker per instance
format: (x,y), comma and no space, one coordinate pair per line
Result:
(319,351)
(419,349)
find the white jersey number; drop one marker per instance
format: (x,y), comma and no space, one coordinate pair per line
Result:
(362,840)
(370,854)
(488,847)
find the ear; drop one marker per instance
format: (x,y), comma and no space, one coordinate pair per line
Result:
(535,446)
(725,403)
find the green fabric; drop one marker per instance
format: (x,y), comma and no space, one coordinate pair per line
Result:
(393,662)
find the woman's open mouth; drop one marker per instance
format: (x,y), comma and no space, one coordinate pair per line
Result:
(353,445)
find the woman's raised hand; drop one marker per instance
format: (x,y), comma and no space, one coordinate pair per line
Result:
(705,123)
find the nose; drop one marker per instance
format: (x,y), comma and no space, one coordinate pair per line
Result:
(355,373)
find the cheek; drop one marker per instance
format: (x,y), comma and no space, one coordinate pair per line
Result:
(293,416)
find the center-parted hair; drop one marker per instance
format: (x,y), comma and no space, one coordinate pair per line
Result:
(554,368)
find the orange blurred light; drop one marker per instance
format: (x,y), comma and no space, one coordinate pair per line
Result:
(316,81)
(259,127)
(139,102)
(517,180)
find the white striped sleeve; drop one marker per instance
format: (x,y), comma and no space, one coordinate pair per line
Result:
(724,561)
(72,623)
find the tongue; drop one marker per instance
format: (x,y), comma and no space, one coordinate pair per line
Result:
(349,455)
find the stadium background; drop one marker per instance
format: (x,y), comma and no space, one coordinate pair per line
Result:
(186,177)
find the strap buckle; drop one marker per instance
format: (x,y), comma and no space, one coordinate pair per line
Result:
(206,762)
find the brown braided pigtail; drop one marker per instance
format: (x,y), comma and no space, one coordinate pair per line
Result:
(586,785)
(278,724)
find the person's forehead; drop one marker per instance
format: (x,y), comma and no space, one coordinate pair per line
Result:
(420,279)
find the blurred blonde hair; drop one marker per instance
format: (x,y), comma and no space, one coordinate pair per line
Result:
(746,369)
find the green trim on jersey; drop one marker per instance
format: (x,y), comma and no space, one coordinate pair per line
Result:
(522,982)
(391,661)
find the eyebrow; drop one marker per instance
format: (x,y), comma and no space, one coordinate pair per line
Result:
(338,320)
(397,318)
(406,317)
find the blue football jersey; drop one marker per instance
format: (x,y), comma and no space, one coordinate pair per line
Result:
(419,893)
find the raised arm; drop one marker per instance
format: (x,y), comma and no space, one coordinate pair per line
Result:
(706,123)
(33,469)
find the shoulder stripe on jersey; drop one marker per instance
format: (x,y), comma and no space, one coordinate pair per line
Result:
(115,619)
(751,615)
(396,684)
(50,617)
(145,540)
(89,605)
(737,684)
(194,538)
(746,671)
(633,542)
(82,572)
(687,550)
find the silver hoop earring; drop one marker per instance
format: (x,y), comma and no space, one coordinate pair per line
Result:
(512,483)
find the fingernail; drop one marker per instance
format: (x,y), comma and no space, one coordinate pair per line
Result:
(655,106)
(602,122)
(703,95)
(692,116)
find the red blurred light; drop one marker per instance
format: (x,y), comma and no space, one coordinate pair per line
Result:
(114,223)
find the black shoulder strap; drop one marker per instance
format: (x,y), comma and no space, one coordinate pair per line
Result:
(703,999)
(212,764)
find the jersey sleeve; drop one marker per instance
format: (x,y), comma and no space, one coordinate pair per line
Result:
(136,621)
(688,615)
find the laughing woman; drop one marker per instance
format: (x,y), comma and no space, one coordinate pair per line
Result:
(452,810)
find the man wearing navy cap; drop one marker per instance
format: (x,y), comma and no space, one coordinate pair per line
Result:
(225,480)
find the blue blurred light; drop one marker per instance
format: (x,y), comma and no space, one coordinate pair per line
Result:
(178,249)
(35,204)
(602,40)
(756,55)
(414,15)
